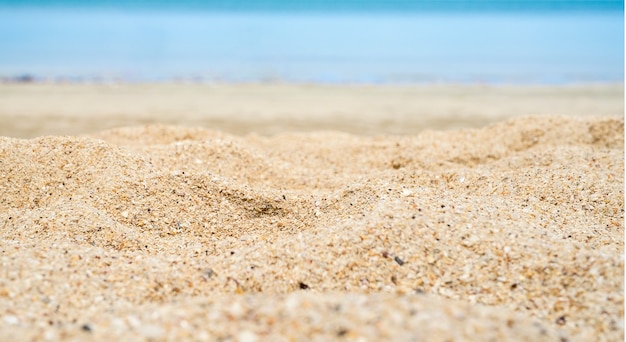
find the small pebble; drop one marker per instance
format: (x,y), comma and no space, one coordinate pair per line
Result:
(398,260)
(11,320)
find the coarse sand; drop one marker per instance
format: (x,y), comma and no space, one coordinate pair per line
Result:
(512,231)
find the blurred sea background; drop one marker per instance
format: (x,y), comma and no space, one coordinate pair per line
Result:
(316,41)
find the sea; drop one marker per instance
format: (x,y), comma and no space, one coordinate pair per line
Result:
(316,41)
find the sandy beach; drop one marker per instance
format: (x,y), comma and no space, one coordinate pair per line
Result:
(308,212)
(30,110)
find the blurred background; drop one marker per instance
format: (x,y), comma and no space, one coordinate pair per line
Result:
(272,66)
(315,41)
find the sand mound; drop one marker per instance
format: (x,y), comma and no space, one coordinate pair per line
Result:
(513,231)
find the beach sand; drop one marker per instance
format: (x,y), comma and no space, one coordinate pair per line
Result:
(30,110)
(510,230)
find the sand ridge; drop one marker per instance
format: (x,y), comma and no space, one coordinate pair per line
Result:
(511,231)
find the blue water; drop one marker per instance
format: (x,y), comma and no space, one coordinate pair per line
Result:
(330,5)
(342,45)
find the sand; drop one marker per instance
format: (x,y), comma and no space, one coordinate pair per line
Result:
(510,231)
(31,110)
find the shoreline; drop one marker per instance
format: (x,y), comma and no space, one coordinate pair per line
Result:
(33,79)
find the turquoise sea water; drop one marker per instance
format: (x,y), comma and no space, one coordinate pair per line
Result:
(317,41)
